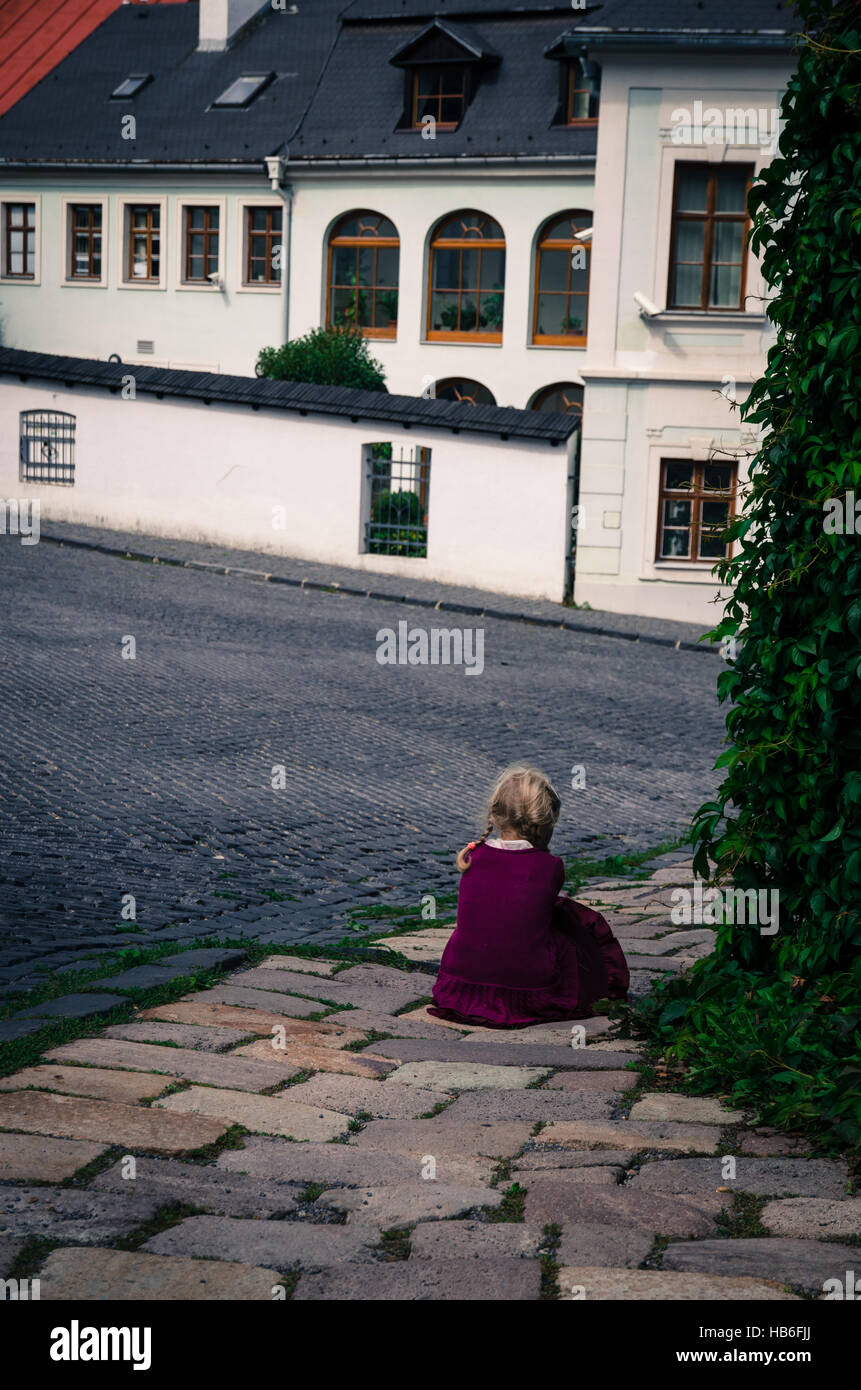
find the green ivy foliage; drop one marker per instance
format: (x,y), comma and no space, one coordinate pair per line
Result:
(337,356)
(776,1020)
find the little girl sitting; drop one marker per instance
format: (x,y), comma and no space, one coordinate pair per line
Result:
(523,952)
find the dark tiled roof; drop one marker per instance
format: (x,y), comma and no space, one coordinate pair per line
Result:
(511,114)
(332,60)
(298,397)
(70,114)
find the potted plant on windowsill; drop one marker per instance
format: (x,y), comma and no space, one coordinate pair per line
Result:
(388,302)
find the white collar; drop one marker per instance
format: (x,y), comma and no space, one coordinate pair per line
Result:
(497,843)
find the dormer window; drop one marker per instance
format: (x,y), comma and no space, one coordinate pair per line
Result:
(440,93)
(443,67)
(584,87)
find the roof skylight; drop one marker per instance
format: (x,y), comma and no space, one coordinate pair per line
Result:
(244,89)
(132,84)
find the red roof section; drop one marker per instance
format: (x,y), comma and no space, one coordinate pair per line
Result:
(36,35)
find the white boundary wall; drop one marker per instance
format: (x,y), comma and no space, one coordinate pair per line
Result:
(179,468)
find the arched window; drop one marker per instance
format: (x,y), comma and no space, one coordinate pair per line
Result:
(461,388)
(362,275)
(561,298)
(467,280)
(565,398)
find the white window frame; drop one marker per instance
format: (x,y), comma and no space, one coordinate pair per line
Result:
(241,286)
(124,204)
(671,156)
(23,197)
(67,202)
(179,253)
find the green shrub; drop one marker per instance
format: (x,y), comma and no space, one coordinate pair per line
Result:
(325,357)
(776,1020)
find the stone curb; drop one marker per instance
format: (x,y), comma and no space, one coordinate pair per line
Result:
(335,586)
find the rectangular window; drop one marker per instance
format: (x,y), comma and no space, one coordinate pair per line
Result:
(19,241)
(143,242)
(47,447)
(441,93)
(697,504)
(710,223)
(85,241)
(262,246)
(396,500)
(200,244)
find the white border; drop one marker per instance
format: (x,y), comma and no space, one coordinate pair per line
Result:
(25,197)
(67,202)
(124,202)
(257,201)
(183,202)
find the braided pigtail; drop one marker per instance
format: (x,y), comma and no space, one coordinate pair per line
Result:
(464,859)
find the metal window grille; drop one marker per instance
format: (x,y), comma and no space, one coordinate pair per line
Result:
(398,484)
(47,446)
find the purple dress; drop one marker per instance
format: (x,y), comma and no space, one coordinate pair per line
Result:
(522,952)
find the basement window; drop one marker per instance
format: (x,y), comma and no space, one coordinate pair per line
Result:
(132,85)
(243,91)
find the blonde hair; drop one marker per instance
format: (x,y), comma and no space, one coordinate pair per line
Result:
(524,800)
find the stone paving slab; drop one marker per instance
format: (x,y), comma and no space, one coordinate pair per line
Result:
(224,1071)
(766,1177)
(300,964)
(475,1240)
(202,1039)
(804,1264)
(813,1218)
(596,1242)
(352,1095)
(408,1025)
(624,1134)
(105,1275)
(96,1082)
(465,1076)
(673,941)
(10,1249)
(107,1122)
(280,1244)
(441,1136)
(278,1161)
(335,1032)
(33,1158)
(554,1198)
(578,1082)
(499,1054)
(658,1284)
(771,1144)
(65,1213)
(418,1281)
(306,1058)
(286,982)
(389,1207)
(12,1029)
(269,1000)
(73,1006)
(201,1185)
(559,1160)
(531,1105)
(261,1114)
(665,1105)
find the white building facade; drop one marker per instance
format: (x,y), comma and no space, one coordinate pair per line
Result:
(567,234)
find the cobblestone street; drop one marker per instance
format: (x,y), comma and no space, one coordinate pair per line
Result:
(152,776)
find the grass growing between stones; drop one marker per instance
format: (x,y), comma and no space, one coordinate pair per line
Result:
(395,1244)
(32,1255)
(741,1220)
(511,1208)
(550,1290)
(169,1215)
(232,1138)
